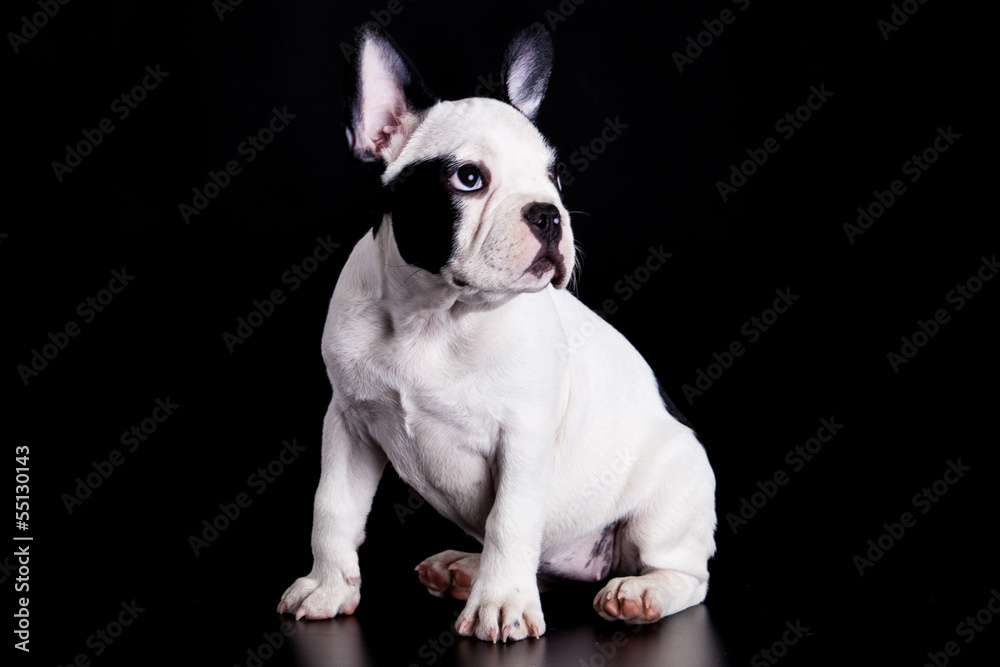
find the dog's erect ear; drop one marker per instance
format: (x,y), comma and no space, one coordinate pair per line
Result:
(527,64)
(381,89)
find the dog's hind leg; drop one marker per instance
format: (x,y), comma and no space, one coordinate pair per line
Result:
(666,544)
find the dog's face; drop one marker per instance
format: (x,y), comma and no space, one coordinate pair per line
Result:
(470,185)
(476,184)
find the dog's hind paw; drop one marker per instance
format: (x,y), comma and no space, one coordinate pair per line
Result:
(448,572)
(648,598)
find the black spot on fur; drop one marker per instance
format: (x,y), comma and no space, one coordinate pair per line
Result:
(425,213)
(673,409)
(604,549)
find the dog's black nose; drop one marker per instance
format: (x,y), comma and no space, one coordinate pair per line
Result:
(543,219)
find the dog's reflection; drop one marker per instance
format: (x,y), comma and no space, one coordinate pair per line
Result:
(686,639)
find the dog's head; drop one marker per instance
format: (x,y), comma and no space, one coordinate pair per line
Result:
(470,185)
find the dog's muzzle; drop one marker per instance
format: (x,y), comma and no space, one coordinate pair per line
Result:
(543,220)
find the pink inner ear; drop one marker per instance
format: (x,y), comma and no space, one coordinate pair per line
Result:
(386,133)
(380,137)
(383,102)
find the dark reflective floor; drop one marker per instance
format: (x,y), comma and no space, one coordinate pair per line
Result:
(686,639)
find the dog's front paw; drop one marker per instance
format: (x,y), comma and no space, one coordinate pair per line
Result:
(312,598)
(514,615)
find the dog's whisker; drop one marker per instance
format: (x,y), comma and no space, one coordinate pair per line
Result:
(406,280)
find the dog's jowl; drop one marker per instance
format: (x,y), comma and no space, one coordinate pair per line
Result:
(442,345)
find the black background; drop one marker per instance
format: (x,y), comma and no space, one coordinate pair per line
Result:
(654,186)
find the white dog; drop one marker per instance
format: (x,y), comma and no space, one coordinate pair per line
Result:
(443,347)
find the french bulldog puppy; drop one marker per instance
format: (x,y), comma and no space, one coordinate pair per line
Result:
(447,347)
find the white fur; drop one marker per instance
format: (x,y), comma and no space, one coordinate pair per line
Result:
(457,379)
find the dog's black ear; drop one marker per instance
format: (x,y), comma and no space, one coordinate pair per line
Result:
(527,65)
(382,88)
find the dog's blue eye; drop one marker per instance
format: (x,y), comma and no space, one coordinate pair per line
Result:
(466,178)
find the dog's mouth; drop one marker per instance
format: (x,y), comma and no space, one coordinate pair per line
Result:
(541,266)
(548,259)
(547,266)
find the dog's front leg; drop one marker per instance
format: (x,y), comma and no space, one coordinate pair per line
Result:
(349,475)
(503,601)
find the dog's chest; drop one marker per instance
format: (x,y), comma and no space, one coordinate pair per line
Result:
(421,400)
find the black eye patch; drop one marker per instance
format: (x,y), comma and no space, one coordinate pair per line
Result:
(425,212)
